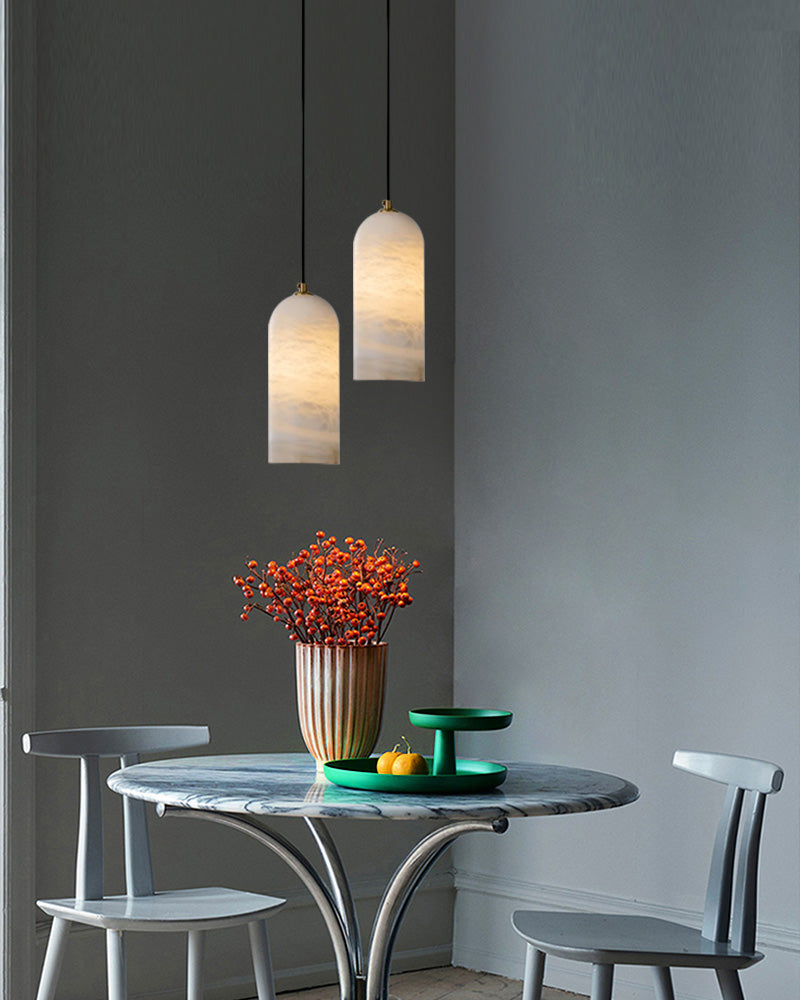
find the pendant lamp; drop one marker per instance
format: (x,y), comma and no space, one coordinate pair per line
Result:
(303,353)
(389,283)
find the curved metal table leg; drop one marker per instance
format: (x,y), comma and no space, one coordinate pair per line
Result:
(340,887)
(322,896)
(400,913)
(401,888)
(336,903)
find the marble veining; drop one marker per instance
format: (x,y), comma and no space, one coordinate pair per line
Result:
(286,784)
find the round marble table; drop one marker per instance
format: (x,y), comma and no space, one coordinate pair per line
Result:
(239,790)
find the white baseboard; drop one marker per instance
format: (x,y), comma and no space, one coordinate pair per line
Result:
(495,897)
(408,960)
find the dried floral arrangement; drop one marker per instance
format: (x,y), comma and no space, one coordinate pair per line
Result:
(331,596)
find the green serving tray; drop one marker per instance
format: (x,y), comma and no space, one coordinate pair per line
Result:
(470,776)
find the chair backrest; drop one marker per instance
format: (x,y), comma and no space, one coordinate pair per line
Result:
(127,743)
(731,897)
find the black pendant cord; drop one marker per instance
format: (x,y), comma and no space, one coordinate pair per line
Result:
(388,100)
(303,143)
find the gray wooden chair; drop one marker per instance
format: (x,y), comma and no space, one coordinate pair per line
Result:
(193,911)
(727,940)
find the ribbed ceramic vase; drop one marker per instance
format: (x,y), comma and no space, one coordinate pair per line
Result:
(340,699)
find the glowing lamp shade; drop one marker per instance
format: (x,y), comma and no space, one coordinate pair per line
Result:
(303,365)
(389,299)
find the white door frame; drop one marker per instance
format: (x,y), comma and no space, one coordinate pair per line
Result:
(17,842)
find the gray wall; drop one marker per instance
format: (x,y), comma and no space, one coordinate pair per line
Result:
(627,446)
(168,229)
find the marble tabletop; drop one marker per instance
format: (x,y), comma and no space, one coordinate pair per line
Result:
(286,784)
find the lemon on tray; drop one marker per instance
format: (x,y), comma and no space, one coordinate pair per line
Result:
(410,763)
(386,760)
(398,762)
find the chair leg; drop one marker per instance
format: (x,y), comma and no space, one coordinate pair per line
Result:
(116,965)
(663,981)
(262,964)
(534,973)
(729,985)
(195,952)
(56,946)
(602,981)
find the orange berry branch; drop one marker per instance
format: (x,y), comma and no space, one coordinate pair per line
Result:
(329,595)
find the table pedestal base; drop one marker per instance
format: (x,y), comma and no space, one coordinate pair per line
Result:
(360,977)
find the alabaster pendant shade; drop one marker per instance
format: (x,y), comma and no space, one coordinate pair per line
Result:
(303,366)
(389,299)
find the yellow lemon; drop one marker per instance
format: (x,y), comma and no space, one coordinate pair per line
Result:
(386,760)
(410,763)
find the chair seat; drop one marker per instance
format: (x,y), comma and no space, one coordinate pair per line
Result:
(184,909)
(625,940)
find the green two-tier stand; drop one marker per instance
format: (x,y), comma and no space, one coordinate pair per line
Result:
(447,722)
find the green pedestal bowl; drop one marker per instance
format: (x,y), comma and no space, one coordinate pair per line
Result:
(447,722)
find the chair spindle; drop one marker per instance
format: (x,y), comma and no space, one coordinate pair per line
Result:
(717,914)
(743,932)
(89,864)
(138,861)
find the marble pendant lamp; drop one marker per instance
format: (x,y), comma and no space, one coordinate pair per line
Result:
(389,284)
(303,355)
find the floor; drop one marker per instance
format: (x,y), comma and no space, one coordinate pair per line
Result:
(447,983)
